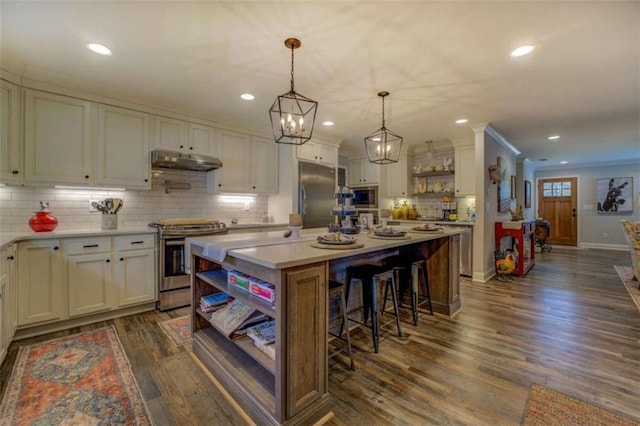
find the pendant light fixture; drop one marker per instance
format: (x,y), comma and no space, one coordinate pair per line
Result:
(292,115)
(383,146)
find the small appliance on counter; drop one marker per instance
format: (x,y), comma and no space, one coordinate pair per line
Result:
(343,212)
(449,208)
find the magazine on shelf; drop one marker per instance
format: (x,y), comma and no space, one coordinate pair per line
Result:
(263,333)
(236,317)
(214,299)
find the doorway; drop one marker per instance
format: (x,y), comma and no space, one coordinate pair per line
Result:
(557,204)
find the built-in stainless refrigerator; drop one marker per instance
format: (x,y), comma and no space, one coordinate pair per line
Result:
(317,186)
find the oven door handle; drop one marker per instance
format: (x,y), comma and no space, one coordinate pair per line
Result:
(174,242)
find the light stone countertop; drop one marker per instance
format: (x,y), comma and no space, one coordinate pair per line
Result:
(286,254)
(7,238)
(437,222)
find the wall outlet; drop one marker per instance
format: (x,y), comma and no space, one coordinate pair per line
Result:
(605,235)
(247,206)
(91,208)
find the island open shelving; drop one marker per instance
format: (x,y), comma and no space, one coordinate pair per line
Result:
(293,388)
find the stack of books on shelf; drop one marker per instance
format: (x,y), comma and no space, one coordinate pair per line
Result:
(235,318)
(213,302)
(264,337)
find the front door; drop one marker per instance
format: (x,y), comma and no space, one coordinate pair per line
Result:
(557,204)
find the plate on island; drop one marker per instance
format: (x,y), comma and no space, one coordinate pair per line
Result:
(336,243)
(392,234)
(429,230)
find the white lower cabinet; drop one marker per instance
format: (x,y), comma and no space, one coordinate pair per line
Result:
(7,299)
(41,282)
(134,269)
(89,284)
(75,277)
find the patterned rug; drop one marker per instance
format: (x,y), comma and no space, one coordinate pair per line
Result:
(82,379)
(548,407)
(178,330)
(626,275)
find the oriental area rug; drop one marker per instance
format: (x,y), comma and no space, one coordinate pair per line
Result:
(178,330)
(82,379)
(548,407)
(626,276)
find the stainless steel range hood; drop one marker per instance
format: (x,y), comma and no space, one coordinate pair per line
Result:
(177,160)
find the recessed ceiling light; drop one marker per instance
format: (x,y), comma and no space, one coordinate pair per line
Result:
(554,137)
(247,96)
(327,123)
(564,162)
(461,121)
(522,50)
(99,49)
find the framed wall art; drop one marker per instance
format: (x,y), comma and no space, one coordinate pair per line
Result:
(513,187)
(527,194)
(504,190)
(614,195)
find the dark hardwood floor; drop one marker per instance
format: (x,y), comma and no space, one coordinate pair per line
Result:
(569,325)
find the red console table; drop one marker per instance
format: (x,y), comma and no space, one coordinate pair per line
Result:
(519,237)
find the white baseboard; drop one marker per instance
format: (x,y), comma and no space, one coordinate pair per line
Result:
(617,247)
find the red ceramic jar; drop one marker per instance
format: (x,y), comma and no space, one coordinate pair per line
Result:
(43,221)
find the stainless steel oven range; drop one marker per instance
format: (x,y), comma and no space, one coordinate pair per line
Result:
(174,282)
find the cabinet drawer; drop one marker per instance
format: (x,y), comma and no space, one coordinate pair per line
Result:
(87,245)
(134,242)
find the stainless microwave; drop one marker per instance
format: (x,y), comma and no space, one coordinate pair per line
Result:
(365,197)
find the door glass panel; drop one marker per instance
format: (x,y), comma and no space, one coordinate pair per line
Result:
(556,189)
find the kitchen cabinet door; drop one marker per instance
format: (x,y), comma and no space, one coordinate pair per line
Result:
(123,148)
(234,150)
(89,283)
(201,139)
(41,289)
(11,168)
(362,172)
(171,134)
(134,276)
(465,176)
(318,153)
(4,338)
(57,139)
(398,178)
(9,298)
(264,165)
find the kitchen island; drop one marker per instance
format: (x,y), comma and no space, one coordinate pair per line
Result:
(292,388)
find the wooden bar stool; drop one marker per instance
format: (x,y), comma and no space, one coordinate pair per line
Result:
(418,267)
(370,275)
(336,293)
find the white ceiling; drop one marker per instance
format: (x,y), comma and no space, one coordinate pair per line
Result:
(439,60)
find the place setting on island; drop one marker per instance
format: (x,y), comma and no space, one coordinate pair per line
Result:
(427,228)
(336,241)
(388,233)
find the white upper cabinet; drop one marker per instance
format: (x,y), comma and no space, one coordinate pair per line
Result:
(57,139)
(363,172)
(398,178)
(249,164)
(234,150)
(318,153)
(182,136)
(171,134)
(201,139)
(11,168)
(465,176)
(123,148)
(264,165)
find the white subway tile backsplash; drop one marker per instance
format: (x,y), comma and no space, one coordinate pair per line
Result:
(71,206)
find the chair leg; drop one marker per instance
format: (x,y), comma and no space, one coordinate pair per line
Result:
(394,295)
(415,276)
(375,318)
(343,306)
